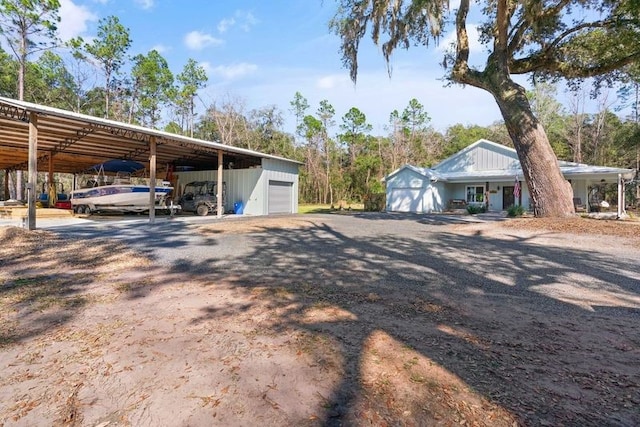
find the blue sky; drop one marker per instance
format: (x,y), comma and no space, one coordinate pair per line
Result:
(261,53)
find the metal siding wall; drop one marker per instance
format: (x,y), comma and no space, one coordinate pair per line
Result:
(241,185)
(277,170)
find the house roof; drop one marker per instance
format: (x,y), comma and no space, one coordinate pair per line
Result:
(425,172)
(488,161)
(74,142)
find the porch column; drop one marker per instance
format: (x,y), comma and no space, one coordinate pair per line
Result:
(620,196)
(152,180)
(220,184)
(33,171)
(586,191)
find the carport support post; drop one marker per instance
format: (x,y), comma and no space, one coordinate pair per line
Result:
(33,170)
(152,180)
(6,184)
(51,190)
(220,184)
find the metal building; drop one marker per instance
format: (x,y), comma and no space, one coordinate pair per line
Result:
(37,138)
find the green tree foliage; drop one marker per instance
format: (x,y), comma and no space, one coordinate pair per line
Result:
(549,111)
(411,137)
(460,136)
(152,88)
(359,163)
(8,75)
(28,26)
(192,78)
(109,50)
(265,134)
(50,83)
(299,107)
(572,39)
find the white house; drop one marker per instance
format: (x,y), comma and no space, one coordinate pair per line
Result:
(486,170)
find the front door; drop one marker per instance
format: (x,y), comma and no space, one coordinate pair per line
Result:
(508,199)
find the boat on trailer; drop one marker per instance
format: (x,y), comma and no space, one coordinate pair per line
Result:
(113,188)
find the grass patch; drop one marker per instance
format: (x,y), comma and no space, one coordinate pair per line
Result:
(313,209)
(322,208)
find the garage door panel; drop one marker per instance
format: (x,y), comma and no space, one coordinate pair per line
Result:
(406,200)
(280,197)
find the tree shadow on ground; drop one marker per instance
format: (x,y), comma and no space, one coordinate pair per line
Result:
(49,278)
(521,323)
(548,333)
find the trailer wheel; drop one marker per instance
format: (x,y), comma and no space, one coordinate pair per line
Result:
(202,210)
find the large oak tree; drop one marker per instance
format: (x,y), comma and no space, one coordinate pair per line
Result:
(573,39)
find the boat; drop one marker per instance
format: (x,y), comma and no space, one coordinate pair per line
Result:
(113,188)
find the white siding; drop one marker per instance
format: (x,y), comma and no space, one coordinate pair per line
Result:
(480,156)
(404,191)
(491,158)
(408,191)
(407,178)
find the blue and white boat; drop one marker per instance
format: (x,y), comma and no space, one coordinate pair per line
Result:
(117,192)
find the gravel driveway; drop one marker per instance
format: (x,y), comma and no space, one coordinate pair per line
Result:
(371,318)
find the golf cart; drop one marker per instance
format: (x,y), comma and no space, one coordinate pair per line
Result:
(201,197)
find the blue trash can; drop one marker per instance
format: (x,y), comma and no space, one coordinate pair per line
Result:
(237,207)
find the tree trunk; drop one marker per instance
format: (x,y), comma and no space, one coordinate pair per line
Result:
(551,194)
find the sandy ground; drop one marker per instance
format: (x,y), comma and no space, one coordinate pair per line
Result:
(325,320)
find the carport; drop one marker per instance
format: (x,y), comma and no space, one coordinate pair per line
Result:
(38,138)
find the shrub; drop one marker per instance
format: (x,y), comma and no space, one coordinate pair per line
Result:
(476,209)
(514,211)
(374,202)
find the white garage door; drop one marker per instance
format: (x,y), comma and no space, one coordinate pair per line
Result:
(406,200)
(280,197)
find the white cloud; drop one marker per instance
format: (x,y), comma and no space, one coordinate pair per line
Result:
(73,19)
(160,48)
(450,41)
(145,4)
(333,81)
(230,72)
(225,24)
(242,19)
(247,20)
(196,40)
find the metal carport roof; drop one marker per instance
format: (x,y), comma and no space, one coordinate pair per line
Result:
(77,141)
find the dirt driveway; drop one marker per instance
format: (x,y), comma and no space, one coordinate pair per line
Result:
(320,320)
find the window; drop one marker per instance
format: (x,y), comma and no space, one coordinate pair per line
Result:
(475,194)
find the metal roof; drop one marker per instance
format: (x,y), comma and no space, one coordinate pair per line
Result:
(77,141)
(465,171)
